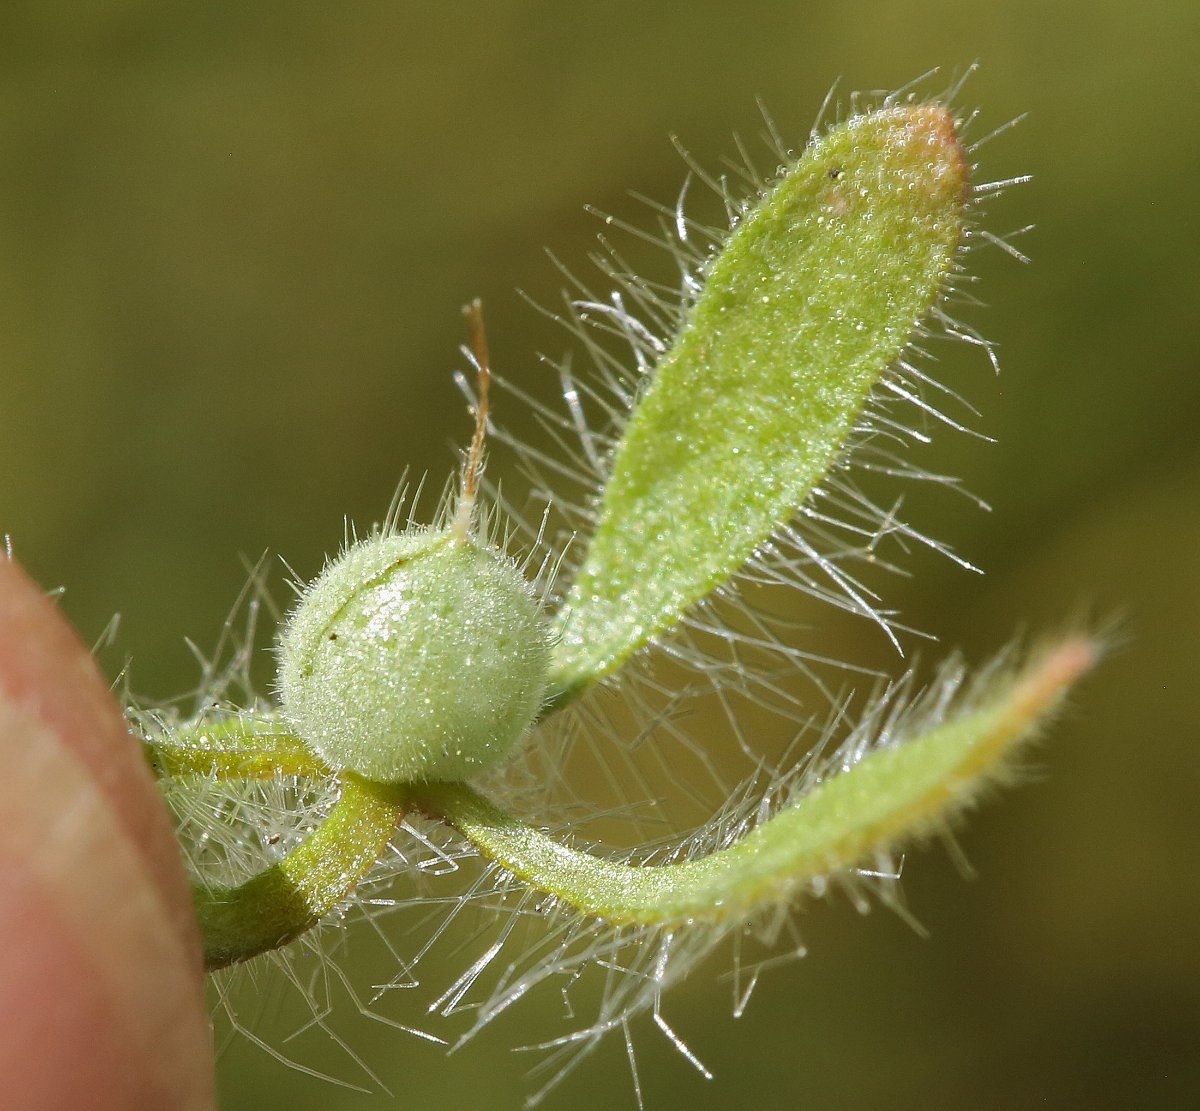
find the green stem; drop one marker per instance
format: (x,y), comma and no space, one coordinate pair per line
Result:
(892,793)
(291,896)
(235,749)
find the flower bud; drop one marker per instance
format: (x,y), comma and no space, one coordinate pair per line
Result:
(414,656)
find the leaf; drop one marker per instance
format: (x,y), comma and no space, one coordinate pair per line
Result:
(901,788)
(812,299)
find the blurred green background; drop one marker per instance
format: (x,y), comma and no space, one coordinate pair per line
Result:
(234,239)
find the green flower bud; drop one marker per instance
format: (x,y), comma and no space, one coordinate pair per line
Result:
(414,657)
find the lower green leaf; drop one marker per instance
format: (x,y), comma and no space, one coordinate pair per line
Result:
(893,793)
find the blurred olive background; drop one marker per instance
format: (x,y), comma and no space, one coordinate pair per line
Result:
(234,239)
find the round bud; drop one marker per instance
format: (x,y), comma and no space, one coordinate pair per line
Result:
(418,656)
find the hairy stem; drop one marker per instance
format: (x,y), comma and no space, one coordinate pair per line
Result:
(291,896)
(236,748)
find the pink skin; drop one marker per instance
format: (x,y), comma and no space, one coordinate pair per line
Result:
(100,968)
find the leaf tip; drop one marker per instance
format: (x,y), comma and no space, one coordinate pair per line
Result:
(1055,673)
(925,139)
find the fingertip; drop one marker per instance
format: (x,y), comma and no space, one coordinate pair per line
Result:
(99,964)
(46,669)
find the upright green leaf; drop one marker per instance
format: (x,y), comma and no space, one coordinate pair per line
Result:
(813,297)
